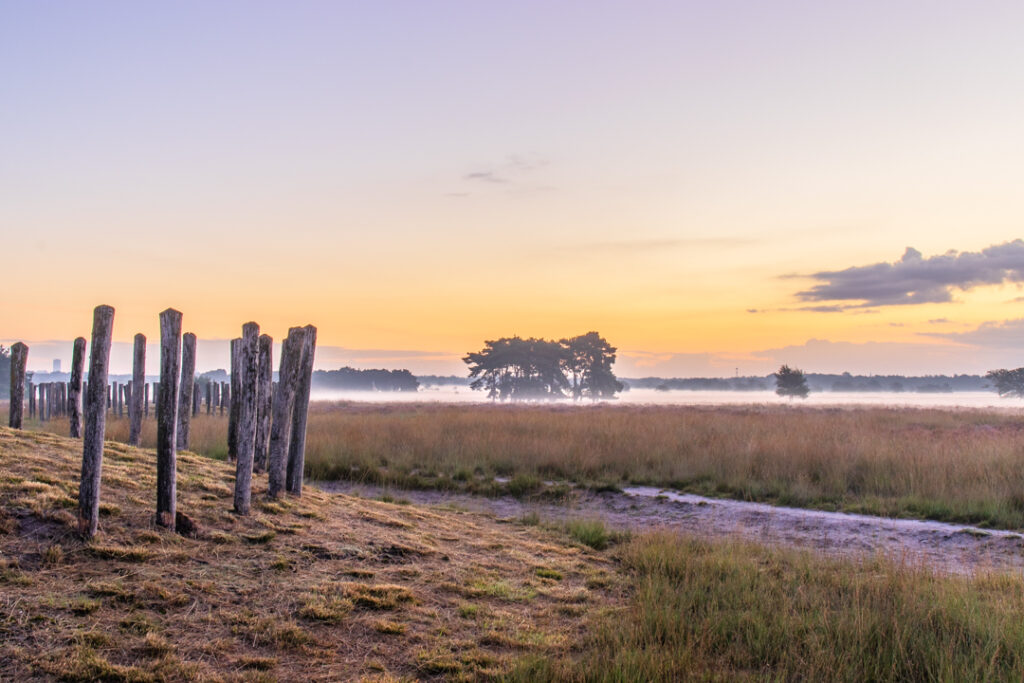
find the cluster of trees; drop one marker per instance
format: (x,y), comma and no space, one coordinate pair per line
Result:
(513,368)
(350,379)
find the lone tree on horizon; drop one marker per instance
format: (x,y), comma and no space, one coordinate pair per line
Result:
(790,382)
(1007,382)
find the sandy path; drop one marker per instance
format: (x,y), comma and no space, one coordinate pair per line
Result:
(949,548)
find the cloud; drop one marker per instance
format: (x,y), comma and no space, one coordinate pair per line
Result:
(486,177)
(641,245)
(918,280)
(995,334)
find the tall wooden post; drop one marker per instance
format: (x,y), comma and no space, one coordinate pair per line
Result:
(95,421)
(209,397)
(264,399)
(283,404)
(196,399)
(245,422)
(140,391)
(167,418)
(188,372)
(75,390)
(41,402)
(19,359)
(236,377)
(297,445)
(225,397)
(31,389)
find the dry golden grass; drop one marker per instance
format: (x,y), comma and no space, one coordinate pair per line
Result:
(326,587)
(953,465)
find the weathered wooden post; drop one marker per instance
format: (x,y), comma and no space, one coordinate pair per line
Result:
(75,390)
(264,400)
(167,419)
(31,389)
(41,402)
(209,397)
(245,422)
(236,397)
(225,397)
(156,396)
(19,359)
(297,445)
(63,399)
(115,396)
(140,391)
(121,394)
(188,372)
(95,422)
(283,404)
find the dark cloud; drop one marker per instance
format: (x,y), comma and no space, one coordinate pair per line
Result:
(918,280)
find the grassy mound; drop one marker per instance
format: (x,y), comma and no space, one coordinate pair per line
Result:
(326,587)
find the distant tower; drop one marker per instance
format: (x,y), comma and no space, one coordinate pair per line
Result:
(56,364)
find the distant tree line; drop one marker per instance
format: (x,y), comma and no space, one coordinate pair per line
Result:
(350,379)
(824,382)
(513,368)
(5,372)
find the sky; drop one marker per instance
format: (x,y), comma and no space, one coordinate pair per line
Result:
(715,187)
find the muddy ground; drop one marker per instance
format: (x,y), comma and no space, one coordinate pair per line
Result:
(948,548)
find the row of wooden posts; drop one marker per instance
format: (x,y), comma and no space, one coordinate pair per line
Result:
(266,420)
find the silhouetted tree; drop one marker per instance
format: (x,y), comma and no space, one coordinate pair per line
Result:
(1007,382)
(791,382)
(588,360)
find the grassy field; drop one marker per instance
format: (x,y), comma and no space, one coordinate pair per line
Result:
(737,611)
(321,588)
(951,465)
(333,587)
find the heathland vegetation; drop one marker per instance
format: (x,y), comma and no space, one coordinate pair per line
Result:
(331,587)
(950,465)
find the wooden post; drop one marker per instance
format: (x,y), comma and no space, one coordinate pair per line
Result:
(264,400)
(95,422)
(209,397)
(41,402)
(156,396)
(197,399)
(31,399)
(283,404)
(225,397)
(167,419)
(188,372)
(19,359)
(140,391)
(236,377)
(75,390)
(245,423)
(297,445)
(120,399)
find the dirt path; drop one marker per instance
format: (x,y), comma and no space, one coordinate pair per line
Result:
(949,548)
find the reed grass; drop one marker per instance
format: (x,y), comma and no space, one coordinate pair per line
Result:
(952,465)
